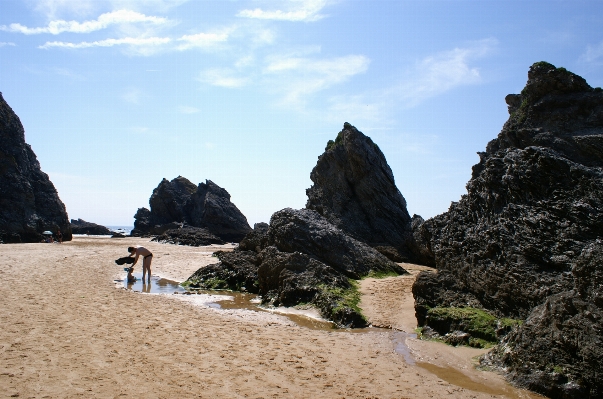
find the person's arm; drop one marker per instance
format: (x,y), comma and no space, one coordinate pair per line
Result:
(136,258)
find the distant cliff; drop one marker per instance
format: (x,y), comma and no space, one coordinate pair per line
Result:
(29,203)
(179,202)
(524,242)
(80,226)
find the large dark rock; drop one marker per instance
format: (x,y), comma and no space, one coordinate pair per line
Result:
(80,226)
(300,258)
(142,223)
(354,189)
(191,236)
(205,206)
(29,203)
(533,205)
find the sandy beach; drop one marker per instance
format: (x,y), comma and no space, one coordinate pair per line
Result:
(69,329)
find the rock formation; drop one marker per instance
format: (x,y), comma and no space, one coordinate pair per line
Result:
(29,203)
(80,226)
(300,258)
(523,242)
(354,189)
(205,206)
(191,236)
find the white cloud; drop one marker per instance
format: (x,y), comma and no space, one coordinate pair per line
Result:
(431,76)
(134,41)
(2,44)
(184,109)
(307,11)
(222,78)
(102,22)
(299,77)
(203,40)
(592,53)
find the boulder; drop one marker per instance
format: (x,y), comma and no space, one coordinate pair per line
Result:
(354,189)
(511,245)
(29,202)
(142,223)
(180,203)
(192,236)
(80,226)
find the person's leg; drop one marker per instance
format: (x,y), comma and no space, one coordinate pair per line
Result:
(146,267)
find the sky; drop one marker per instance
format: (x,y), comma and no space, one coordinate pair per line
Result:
(116,95)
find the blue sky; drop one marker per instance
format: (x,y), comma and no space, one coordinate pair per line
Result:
(115,95)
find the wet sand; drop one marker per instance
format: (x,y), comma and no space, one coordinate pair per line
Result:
(68,332)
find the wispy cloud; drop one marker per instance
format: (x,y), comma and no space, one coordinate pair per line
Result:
(432,76)
(223,78)
(185,109)
(299,77)
(592,53)
(203,40)
(299,11)
(442,72)
(2,44)
(134,41)
(102,22)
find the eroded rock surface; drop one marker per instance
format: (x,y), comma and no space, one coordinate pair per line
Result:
(191,236)
(179,202)
(511,245)
(29,202)
(354,189)
(80,226)
(300,258)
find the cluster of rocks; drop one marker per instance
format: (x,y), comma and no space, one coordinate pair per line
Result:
(80,226)
(29,203)
(524,242)
(299,258)
(204,210)
(313,255)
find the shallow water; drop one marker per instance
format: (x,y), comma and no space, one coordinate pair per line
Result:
(241,300)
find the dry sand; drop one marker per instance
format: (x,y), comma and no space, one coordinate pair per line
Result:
(67,331)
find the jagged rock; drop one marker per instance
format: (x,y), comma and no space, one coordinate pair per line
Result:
(533,204)
(142,223)
(300,258)
(179,202)
(308,232)
(237,270)
(80,226)
(192,236)
(29,203)
(354,189)
(256,239)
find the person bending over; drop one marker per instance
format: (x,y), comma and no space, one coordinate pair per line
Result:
(147,257)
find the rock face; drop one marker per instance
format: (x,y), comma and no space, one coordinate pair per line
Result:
(204,206)
(191,236)
(354,189)
(80,226)
(29,203)
(300,258)
(518,244)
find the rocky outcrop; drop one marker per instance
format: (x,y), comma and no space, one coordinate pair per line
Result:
(142,223)
(512,246)
(191,236)
(205,206)
(80,226)
(300,258)
(29,203)
(354,189)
